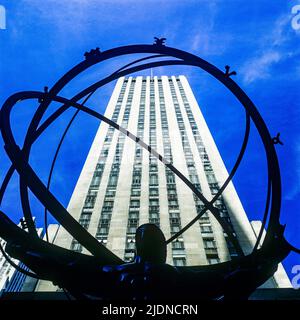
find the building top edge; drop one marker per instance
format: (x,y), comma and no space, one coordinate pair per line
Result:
(154,77)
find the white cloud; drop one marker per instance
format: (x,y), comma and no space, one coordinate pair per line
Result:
(279,33)
(196,42)
(274,47)
(259,67)
(206,39)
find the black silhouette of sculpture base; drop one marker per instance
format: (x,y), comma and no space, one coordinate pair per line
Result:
(148,278)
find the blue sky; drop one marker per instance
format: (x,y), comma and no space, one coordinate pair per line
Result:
(44,39)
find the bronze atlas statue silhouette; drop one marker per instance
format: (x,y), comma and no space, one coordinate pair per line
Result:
(101,274)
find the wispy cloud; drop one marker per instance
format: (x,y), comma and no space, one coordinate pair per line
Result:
(259,67)
(273,48)
(279,34)
(207,39)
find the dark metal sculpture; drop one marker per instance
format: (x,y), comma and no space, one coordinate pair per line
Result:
(148,277)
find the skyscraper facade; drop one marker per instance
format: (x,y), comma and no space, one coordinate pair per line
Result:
(122,185)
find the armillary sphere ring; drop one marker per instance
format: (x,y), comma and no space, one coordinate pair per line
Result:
(19,156)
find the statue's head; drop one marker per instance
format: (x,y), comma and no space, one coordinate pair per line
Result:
(150,244)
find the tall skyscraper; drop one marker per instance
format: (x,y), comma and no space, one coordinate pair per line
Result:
(122,185)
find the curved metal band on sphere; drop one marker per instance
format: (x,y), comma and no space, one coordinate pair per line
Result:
(28,178)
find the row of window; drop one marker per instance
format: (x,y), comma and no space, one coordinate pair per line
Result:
(90,200)
(206,228)
(178,249)
(153,165)
(212,182)
(134,204)
(108,204)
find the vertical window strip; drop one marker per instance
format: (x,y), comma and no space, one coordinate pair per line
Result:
(90,199)
(178,249)
(205,229)
(108,203)
(210,176)
(134,204)
(154,209)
